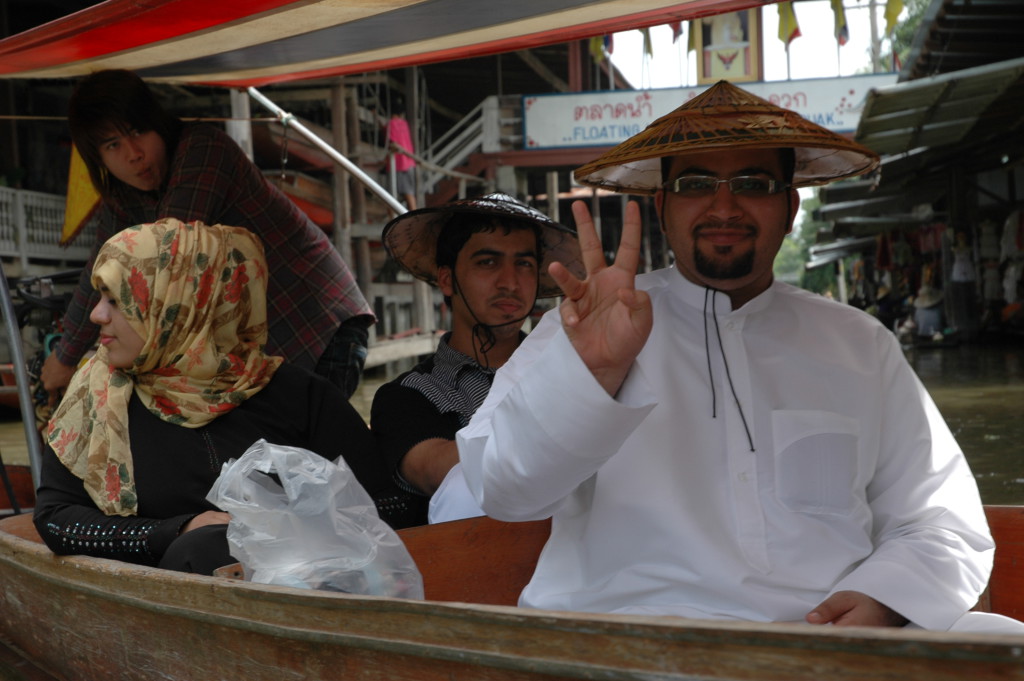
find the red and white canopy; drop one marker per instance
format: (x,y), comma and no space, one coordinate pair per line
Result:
(255,42)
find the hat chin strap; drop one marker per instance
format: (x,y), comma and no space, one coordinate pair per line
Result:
(485,332)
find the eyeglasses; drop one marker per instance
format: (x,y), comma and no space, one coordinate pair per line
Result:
(703,186)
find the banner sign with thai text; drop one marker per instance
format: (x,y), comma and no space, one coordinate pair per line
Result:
(590,119)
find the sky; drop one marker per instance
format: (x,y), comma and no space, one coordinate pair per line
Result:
(815,54)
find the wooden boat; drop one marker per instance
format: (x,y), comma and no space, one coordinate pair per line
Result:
(95,619)
(8,387)
(20,480)
(313,197)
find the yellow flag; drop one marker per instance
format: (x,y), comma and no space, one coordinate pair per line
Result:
(597,48)
(892,13)
(842,30)
(788,27)
(81,201)
(691,41)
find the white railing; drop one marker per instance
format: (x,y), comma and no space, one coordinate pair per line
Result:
(484,129)
(452,149)
(30,228)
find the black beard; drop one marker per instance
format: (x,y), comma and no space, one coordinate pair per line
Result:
(733,269)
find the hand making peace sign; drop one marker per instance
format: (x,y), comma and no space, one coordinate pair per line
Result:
(606,318)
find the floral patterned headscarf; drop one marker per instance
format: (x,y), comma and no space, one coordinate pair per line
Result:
(196,295)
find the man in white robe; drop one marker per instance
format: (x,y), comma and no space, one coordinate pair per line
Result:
(712,443)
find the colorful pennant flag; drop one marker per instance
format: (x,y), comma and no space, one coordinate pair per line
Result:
(82,199)
(648,45)
(677,30)
(842,28)
(892,14)
(789,29)
(600,47)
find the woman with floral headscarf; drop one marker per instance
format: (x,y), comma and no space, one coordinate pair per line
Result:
(179,385)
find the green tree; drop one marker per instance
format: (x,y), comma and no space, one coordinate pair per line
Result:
(903,34)
(789,263)
(795,252)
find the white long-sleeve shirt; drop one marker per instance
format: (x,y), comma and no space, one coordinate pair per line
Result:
(659,507)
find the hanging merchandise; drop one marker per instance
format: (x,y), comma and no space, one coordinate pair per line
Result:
(931,237)
(883,252)
(992,287)
(988,241)
(963,259)
(902,253)
(988,249)
(1012,255)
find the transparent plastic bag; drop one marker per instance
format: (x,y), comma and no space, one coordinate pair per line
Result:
(300,520)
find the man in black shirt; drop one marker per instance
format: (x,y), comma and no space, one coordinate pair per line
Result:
(489,258)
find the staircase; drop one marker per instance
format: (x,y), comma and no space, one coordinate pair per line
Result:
(493,126)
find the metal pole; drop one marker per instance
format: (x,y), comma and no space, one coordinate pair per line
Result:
(340,199)
(28,418)
(876,42)
(239,128)
(290,121)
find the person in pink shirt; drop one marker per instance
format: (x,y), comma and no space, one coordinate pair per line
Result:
(400,139)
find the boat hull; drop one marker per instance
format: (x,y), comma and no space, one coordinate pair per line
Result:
(20,479)
(88,618)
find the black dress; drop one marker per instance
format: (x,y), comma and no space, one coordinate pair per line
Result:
(175,467)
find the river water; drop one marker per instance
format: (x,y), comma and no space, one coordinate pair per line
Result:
(980,391)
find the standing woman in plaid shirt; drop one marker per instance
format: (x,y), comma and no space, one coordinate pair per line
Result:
(148,165)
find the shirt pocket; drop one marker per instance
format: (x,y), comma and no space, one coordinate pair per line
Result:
(816,461)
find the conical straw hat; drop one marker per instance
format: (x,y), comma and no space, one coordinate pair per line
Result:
(411,238)
(726,117)
(927,297)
